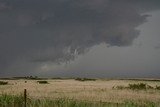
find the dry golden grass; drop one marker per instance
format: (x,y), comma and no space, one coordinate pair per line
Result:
(100,90)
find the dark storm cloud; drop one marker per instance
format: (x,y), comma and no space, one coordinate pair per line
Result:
(36,31)
(157,46)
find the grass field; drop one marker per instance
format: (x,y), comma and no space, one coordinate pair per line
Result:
(80,93)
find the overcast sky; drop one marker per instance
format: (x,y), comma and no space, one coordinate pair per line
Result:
(87,38)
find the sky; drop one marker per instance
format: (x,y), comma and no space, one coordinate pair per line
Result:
(80,38)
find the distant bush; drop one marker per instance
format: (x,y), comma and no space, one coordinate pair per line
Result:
(139,86)
(3,83)
(120,87)
(61,78)
(85,79)
(32,77)
(42,82)
(149,87)
(157,87)
(27,77)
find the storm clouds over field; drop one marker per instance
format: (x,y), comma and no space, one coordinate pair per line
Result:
(79,37)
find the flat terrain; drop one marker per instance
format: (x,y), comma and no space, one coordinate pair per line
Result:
(99,90)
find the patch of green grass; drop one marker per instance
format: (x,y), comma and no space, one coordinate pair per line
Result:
(43,82)
(129,103)
(18,101)
(3,83)
(11,100)
(66,103)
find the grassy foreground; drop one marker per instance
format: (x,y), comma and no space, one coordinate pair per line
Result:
(18,101)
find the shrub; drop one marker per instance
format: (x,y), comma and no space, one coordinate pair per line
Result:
(120,87)
(139,86)
(85,79)
(157,87)
(42,82)
(149,87)
(3,83)
(32,77)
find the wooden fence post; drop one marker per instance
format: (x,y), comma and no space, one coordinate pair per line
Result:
(117,105)
(25,98)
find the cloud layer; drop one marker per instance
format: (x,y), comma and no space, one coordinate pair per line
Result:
(38,31)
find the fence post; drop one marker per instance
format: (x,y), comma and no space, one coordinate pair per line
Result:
(25,97)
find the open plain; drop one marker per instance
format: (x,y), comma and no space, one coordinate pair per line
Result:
(99,90)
